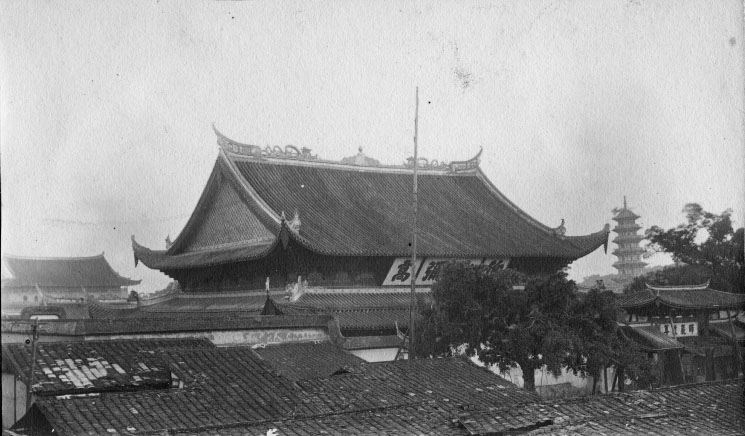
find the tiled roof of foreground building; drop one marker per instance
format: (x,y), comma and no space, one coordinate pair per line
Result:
(302,361)
(233,391)
(95,366)
(712,409)
(349,210)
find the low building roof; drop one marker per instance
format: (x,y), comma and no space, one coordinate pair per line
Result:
(232,391)
(97,366)
(357,310)
(301,361)
(63,272)
(682,297)
(211,321)
(725,330)
(453,383)
(233,388)
(650,338)
(704,408)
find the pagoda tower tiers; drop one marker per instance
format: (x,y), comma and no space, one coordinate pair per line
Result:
(629,253)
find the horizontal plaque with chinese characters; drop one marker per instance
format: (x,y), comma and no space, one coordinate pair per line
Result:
(428,270)
(400,272)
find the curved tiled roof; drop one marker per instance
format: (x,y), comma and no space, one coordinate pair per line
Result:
(63,272)
(650,338)
(682,297)
(351,210)
(625,214)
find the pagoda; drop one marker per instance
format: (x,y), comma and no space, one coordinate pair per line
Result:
(279,216)
(629,253)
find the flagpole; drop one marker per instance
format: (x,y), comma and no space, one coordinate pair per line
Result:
(413,234)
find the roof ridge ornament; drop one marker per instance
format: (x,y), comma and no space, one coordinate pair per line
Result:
(698,287)
(256,151)
(294,223)
(453,167)
(560,231)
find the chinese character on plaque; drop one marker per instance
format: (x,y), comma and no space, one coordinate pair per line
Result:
(430,271)
(400,272)
(493,265)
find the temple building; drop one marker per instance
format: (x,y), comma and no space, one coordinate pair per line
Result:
(691,332)
(281,217)
(34,281)
(629,253)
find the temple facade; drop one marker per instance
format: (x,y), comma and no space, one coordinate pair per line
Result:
(629,253)
(279,217)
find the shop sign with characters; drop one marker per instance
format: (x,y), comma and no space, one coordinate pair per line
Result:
(428,270)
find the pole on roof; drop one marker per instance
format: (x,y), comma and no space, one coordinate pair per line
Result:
(34,337)
(413,233)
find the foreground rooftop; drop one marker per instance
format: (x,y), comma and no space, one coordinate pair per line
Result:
(241,391)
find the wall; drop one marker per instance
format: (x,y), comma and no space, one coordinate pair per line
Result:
(376,354)
(548,386)
(14,394)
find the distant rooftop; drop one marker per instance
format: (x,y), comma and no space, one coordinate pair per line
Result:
(63,272)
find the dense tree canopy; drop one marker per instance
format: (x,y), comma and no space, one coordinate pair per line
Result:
(508,319)
(706,244)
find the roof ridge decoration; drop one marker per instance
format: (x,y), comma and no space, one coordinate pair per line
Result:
(290,152)
(699,287)
(561,231)
(256,151)
(453,167)
(13,256)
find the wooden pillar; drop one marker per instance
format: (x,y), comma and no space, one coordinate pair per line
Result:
(735,347)
(678,352)
(605,378)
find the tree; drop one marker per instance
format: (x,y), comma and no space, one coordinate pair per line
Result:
(708,243)
(546,322)
(598,343)
(679,274)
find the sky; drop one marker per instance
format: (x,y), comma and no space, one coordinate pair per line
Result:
(106,107)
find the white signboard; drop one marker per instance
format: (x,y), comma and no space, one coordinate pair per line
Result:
(681,329)
(400,272)
(430,271)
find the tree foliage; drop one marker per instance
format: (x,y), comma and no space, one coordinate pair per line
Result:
(708,244)
(545,323)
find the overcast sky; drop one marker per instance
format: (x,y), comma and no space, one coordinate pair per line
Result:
(107,106)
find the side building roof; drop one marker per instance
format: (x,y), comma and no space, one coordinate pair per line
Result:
(682,297)
(254,196)
(63,272)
